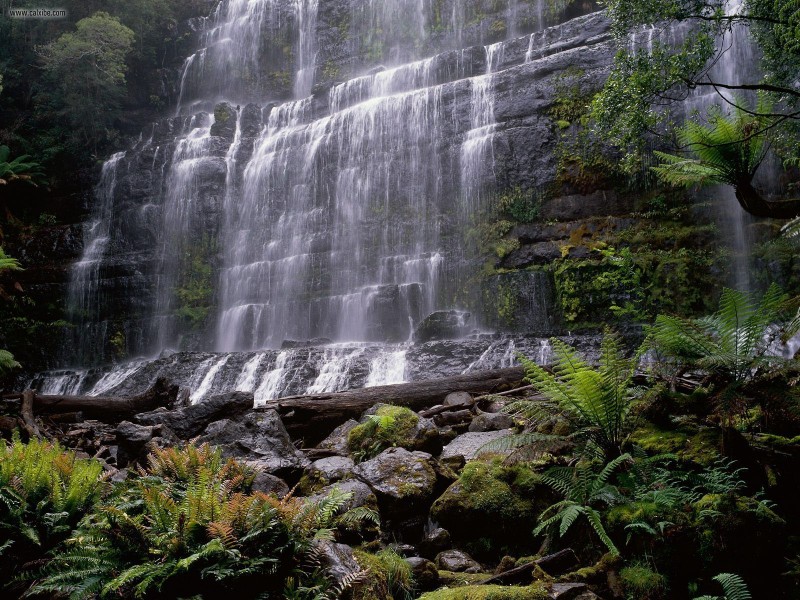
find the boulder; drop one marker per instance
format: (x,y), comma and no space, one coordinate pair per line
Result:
(337,440)
(361,496)
(337,560)
(384,426)
(568,591)
(460,399)
(491,422)
(134,441)
(426,576)
(266,483)
(190,421)
(457,562)
(258,436)
(442,325)
(325,471)
(468,445)
(484,508)
(402,480)
(434,542)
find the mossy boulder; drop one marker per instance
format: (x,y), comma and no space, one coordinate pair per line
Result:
(385,426)
(491,508)
(690,443)
(388,576)
(537,591)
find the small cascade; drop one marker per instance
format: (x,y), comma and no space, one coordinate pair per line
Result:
(85,282)
(387,368)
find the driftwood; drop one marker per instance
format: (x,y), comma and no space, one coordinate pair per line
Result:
(102,408)
(317,415)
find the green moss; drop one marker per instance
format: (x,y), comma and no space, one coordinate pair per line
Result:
(388,576)
(390,426)
(642,583)
(625,514)
(452,580)
(490,507)
(690,444)
(536,591)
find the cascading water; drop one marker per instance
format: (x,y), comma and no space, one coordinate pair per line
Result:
(736,64)
(325,207)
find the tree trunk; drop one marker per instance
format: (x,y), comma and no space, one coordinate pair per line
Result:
(755,204)
(315,416)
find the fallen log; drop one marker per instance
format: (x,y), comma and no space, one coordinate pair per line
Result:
(108,409)
(313,417)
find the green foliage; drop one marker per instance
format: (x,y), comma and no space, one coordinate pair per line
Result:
(188,526)
(195,290)
(22,168)
(733,588)
(727,150)
(44,492)
(597,400)
(584,489)
(736,342)
(88,69)
(390,426)
(390,576)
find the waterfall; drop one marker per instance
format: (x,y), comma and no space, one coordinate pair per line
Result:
(322,173)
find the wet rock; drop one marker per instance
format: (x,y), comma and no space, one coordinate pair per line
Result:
(333,468)
(224,121)
(384,425)
(134,441)
(540,253)
(362,495)
(468,445)
(491,422)
(425,573)
(267,483)
(261,437)
(434,542)
(442,325)
(460,399)
(337,440)
(190,421)
(581,206)
(457,562)
(337,560)
(402,480)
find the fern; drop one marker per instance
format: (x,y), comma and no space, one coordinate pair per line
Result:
(733,588)
(598,400)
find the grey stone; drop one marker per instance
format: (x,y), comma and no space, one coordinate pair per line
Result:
(258,436)
(267,483)
(332,469)
(337,559)
(434,542)
(337,440)
(459,399)
(457,562)
(468,445)
(491,422)
(567,591)
(403,481)
(442,325)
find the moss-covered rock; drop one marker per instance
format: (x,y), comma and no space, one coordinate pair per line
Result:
(700,445)
(490,508)
(536,591)
(388,426)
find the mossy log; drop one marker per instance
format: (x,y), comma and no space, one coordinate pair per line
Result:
(314,416)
